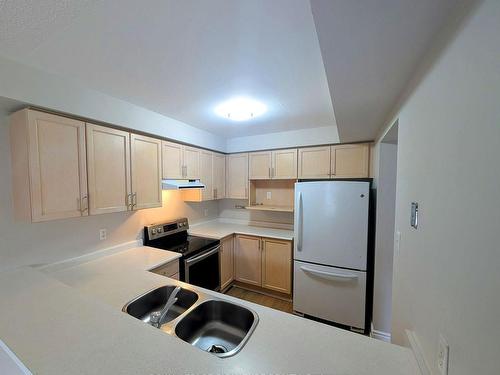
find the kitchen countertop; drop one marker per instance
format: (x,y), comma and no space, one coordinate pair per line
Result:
(219,229)
(70,322)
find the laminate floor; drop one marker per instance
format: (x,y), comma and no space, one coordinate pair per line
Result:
(261,299)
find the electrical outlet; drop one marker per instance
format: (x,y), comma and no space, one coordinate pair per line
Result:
(443,355)
(103,234)
(205,212)
(269,195)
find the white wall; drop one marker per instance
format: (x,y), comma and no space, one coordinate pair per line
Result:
(293,138)
(32,86)
(384,239)
(446,273)
(25,244)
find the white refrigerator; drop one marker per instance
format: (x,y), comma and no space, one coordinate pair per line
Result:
(330,250)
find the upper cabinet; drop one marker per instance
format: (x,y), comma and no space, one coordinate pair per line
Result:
(219,176)
(108,164)
(350,161)
(48,166)
(180,162)
(284,164)
(314,162)
(191,158)
(260,165)
(206,175)
(145,169)
(338,161)
(278,164)
(237,176)
(173,166)
(64,168)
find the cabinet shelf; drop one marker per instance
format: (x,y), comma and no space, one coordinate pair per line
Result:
(271,195)
(261,207)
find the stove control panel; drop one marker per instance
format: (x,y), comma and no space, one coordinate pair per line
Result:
(164,229)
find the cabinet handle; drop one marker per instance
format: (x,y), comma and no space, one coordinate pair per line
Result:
(270,173)
(215,193)
(85,203)
(81,207)
(134,200)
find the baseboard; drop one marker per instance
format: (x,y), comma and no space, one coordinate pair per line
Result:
(418,352)
(57,266)
(12,356)
(380,335)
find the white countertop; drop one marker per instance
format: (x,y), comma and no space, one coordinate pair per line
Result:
(219,229)
(70,322)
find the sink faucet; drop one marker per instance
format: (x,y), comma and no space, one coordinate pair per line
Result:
(157,316)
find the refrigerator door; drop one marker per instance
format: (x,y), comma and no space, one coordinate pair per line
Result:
(331,223)
(330,293)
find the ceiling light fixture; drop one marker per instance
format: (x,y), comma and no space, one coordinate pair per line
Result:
(240,109)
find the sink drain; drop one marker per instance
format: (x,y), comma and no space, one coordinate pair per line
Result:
(217,349)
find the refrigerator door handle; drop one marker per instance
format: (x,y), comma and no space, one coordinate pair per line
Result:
(299,224)
(330,274)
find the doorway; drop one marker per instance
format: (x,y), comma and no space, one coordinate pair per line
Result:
(385,181)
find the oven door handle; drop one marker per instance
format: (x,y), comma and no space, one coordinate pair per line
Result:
(194,260)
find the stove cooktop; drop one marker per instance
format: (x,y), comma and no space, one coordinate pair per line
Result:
(183,243)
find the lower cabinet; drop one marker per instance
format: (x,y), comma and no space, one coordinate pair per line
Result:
(170,269)
(248,267)
(263,262)
(226,257)
(277,265)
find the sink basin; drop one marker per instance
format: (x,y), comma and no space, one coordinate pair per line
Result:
(142,307)
(218,327)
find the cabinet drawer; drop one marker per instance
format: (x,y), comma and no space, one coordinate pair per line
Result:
(330,293)
(168,269)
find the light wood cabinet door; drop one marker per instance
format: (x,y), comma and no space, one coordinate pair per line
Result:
(277,265)
(145,166)
(191,159)
(108,166)
(172,160)
(248,260)
(350,161)
(259,165)
(226,262)
(237,176)
(206,177)
(314,162)
(219,176)
(284,164)
(52,156)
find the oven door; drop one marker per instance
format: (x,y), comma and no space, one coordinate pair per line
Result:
(203,269)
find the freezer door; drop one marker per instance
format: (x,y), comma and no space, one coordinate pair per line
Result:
(330,293)
(331,223)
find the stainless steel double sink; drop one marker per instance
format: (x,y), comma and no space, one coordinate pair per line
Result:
(210,324)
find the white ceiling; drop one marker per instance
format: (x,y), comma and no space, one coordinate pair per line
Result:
(181,58)
(371,49)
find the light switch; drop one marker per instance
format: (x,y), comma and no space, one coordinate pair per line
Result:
(269,195)
(414,215)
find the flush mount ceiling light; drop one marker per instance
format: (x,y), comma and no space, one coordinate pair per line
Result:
(240,109)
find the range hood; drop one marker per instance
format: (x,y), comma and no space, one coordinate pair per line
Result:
(181,184)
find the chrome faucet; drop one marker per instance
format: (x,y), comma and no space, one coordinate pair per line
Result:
(158,316)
